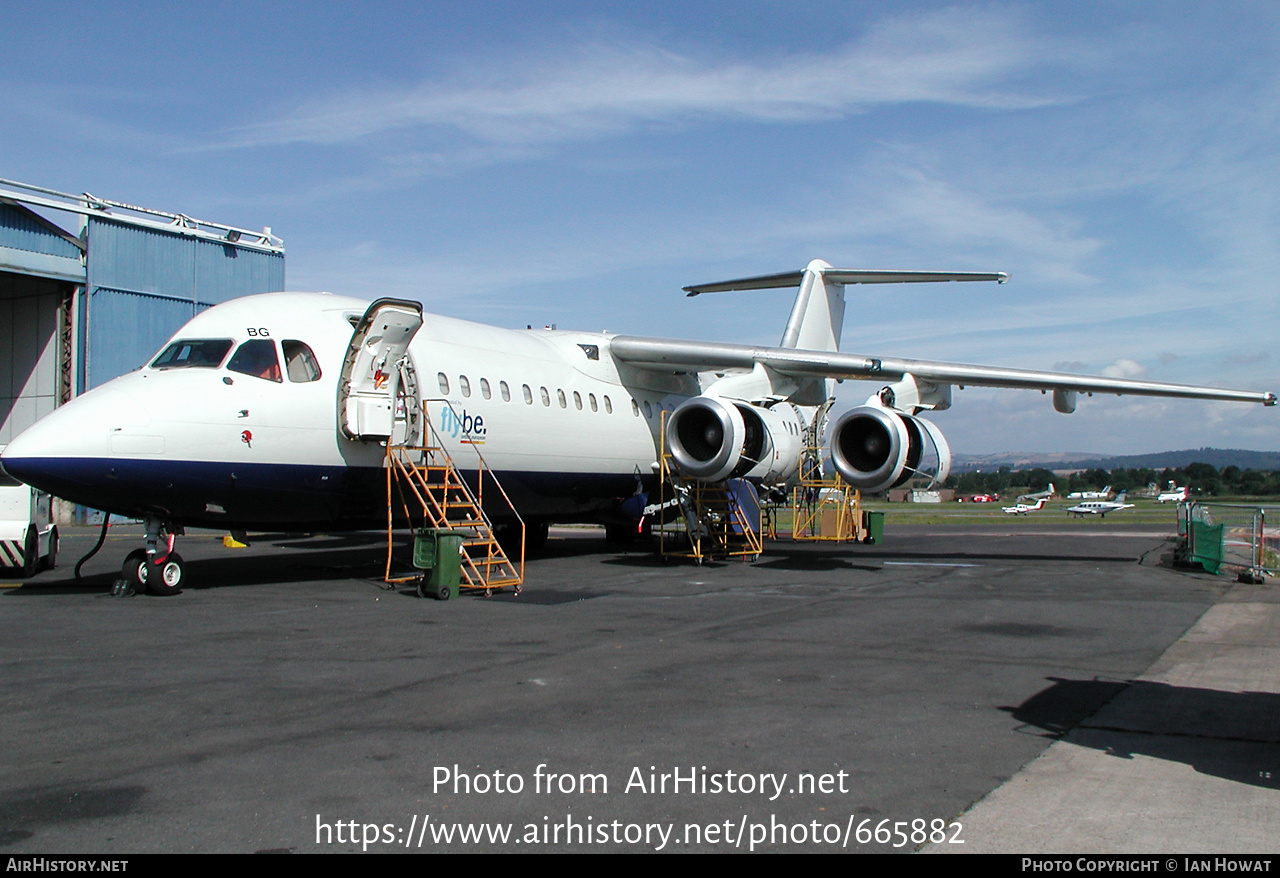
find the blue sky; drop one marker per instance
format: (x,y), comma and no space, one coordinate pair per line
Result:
(578,163)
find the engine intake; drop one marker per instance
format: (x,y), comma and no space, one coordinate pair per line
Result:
(712,439)
(875,448)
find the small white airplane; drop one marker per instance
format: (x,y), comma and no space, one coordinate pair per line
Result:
(1104,494)
(1174,494)
(1021,508)
(273,412)
(1099,507)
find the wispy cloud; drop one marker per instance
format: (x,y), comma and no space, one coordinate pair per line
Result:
(965,57)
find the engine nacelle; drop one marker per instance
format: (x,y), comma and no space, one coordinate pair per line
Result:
(712,439)
(875,448)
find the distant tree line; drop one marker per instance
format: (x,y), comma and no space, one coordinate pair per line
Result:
(1205,480)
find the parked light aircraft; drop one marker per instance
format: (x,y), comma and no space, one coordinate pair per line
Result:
(1023,508)
(1099,507)
(273,411)
(1174,494)
(1046,494)
(1104,494)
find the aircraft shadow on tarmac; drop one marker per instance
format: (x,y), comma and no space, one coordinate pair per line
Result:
(1231,735)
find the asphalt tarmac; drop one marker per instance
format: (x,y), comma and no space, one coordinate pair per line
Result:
(954,689)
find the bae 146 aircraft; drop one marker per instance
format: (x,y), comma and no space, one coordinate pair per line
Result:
(273,412)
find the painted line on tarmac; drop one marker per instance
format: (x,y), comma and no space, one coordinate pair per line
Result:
(927,564)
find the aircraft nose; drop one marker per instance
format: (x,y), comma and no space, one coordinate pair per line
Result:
(50,453)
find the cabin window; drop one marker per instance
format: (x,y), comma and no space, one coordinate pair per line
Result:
(591,398)
(505,391)
(546,397)
(484,388)
(201,353)
(256,357)
(577,400)
(300,364)
(464,385)
(608,406)
(560,397)
(635,408)
(528,395)
(443,379)
(648,409)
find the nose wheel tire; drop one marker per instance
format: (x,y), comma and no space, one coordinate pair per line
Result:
(162,579)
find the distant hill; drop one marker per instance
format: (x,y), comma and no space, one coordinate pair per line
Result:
(1215,457)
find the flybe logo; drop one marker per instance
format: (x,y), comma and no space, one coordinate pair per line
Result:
(462,425)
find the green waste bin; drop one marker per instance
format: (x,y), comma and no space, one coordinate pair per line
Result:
(873,523)
(438,551)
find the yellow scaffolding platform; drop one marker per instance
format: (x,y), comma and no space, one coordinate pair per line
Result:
(715,524)
(826,510)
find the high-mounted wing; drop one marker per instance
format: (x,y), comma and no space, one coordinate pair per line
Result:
(670,355)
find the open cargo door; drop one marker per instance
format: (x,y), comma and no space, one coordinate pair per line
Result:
(376,369)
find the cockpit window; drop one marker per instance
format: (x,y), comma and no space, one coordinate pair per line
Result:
(256,357)
(203,353)
(299,362)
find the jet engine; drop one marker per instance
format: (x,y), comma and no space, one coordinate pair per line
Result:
(712,439)
(874,448)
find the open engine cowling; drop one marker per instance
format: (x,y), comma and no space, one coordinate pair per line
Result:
(712,439)
(875,448)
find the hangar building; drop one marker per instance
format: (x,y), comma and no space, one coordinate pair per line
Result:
(91,288)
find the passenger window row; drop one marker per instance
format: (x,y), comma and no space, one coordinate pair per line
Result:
(580,402)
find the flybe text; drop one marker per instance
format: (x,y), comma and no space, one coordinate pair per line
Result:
(452,423)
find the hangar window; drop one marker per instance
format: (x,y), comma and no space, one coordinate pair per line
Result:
(505,390)
(443,380)
(256,357)
(484,388)
(203,353)
(300,363)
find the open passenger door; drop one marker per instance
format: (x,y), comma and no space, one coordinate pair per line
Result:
(375,367)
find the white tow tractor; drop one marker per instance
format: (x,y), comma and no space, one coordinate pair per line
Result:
(28,536)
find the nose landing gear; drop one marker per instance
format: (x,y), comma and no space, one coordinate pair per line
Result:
(157,569)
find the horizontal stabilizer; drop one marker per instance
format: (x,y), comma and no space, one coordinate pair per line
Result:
(846,276)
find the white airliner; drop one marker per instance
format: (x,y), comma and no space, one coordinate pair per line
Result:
(1023,508)
(1099,507)
(273,411)
(1104,494)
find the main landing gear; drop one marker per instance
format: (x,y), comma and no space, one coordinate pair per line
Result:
(157,569)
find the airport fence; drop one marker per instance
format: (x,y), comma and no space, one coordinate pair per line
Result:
(1231,535)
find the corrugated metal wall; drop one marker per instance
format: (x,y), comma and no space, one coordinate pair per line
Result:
(33,246)
(143,284)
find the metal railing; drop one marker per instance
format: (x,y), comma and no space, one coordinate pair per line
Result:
(1234,535)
